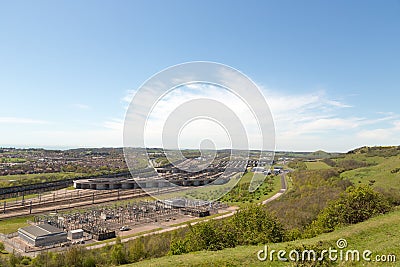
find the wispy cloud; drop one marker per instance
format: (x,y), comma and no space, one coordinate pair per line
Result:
(19,120)
(128,96)
(388,135)
(307,121)
(81,106)
(114,124)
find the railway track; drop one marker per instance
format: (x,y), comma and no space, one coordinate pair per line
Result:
(69,201)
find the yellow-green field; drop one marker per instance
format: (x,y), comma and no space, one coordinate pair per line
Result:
(379,175)
(317,165)
(11,225)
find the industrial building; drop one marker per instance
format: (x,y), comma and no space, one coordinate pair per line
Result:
(75,234)
(42,235)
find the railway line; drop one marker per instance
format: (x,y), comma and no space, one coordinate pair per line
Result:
(74,199)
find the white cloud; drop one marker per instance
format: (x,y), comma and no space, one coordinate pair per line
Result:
(114,124)
(308,121)
(204,127)
(303,122)
(128,96)
(388,135)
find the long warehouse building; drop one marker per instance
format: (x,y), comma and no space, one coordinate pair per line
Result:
(42,235)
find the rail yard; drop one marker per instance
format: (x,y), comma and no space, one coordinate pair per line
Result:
(98,207)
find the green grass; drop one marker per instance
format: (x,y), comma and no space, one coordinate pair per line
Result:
(247,177)
(19,198)
(242,196)
(317,165)
(380,173)
(57,175)
(11,225)
(24,179)
(372,160)
(381,235)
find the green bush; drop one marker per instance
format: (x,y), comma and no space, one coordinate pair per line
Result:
(298,165)
(310,192)
(252,224)
(355,205)
(178,247)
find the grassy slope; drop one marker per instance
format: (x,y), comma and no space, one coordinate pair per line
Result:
(318,165)
(276,186)
(381,235)
(381,172)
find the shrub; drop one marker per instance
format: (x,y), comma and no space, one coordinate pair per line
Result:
(310,193)
(355,205)
(178,247)
(253,225)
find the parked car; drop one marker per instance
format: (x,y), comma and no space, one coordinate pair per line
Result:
(125,228)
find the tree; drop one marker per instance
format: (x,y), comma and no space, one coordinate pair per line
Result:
(253,224)
(118,255)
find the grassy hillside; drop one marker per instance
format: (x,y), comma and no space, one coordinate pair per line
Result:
(384,174)
(317,165)
(375,166)
(381,235)
(378,167)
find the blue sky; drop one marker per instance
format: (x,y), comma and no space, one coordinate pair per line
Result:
(330,69)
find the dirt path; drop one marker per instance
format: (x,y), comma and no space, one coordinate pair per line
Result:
(280,193)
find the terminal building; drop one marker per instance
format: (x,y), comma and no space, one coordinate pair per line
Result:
(42,235)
